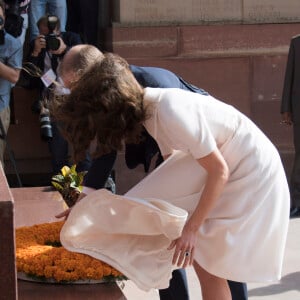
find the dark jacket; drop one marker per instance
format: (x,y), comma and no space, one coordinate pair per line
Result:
(291,89)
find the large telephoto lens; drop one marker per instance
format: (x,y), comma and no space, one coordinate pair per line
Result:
(46,128)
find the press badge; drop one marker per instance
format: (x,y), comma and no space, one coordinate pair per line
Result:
(48,78)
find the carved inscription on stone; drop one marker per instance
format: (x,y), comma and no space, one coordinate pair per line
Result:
(174,11)
(206,11)
(256,11)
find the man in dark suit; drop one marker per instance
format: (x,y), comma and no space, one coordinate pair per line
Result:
(80,58)
(290,110)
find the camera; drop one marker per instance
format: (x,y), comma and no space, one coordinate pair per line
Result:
(52,42)
(45,123)
(13,21)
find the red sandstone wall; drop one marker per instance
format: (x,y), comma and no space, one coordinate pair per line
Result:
(242,65)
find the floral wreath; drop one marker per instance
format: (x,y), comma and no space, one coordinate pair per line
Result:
(40,255)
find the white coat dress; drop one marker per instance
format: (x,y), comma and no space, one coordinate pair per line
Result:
(243,238)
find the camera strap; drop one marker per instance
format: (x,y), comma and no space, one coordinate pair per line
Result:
(53,60)
(50,65)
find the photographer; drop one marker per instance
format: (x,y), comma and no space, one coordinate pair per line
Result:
(49,47)
(10,65)
(38,8)
(46,52)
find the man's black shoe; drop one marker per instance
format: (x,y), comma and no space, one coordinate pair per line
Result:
(295,212)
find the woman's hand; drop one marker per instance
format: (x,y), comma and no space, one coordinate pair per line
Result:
(184,246)
(66,213)
(217,176)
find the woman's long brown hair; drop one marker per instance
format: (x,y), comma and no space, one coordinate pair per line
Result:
(105,107)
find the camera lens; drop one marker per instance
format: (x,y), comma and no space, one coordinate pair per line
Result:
(52,42)
(46,128)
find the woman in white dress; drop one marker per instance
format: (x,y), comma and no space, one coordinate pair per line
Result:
(219,167)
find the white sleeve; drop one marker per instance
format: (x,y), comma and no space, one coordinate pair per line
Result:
(185,125)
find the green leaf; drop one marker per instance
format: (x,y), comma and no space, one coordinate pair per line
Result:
(73,169)
(81,176)
(68,181)
(65,171)
(57,186)
(58,178)
(73,185)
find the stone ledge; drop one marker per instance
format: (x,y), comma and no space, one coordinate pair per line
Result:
(8,281)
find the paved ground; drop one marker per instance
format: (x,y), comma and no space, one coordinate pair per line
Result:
(287,289)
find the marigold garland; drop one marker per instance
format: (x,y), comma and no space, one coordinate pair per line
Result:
(38,256)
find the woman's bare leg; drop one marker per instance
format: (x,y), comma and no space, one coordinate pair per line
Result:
(212,287)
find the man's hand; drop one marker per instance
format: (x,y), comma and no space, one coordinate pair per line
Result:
(39,44)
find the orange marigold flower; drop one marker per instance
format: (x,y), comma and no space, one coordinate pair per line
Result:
(39,253)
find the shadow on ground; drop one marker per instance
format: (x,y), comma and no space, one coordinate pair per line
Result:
(288,283)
